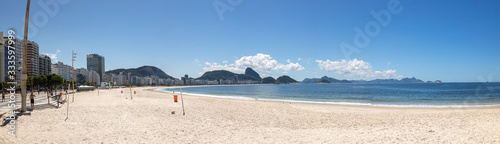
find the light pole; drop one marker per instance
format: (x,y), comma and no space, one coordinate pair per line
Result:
(24,75)
(73,75)
(67,107)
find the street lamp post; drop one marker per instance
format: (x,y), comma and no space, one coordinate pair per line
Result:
(73,76)
(24,75)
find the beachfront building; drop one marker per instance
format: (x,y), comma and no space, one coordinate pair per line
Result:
(45,65)
(4,57)
(133,79)
(84,72)
(141,80)
(147,81)
(94,76)
(96,63)
(63,70)
(32,58)
(107,78)
(120,79)
(161,82)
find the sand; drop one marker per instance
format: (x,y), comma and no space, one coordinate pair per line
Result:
(112,117)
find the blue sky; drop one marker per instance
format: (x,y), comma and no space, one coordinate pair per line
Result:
(453,41)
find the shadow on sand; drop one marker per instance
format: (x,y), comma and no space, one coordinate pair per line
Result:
(6,117)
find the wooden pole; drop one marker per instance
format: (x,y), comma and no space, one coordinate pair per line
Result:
(67,102)
(182,99)
(24,74)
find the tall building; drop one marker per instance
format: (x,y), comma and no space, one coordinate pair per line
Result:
(4,57)
(44,65)
(96,63)
(84,72)
(94,77)
(32,57)
(65,71)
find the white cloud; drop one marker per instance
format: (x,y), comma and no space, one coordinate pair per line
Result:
(356,69)
(265,63)
(261,62)
(263,75)
(53,56)
(216,66)
(196,61)
(298,59)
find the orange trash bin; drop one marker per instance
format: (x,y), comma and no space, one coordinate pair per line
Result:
(175,98)
(134,92)
(122,91)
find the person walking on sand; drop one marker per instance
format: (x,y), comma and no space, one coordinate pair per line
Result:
(3,96)
(32,97)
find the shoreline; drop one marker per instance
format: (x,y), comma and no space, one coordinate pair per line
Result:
(367,105)
(112,117)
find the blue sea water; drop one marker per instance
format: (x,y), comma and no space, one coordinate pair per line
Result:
(426,95)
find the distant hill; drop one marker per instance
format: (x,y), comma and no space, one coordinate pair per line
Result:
(404,80)
(225,75)
(411,80)
(285,80)
(143,72)
(251,72)
(324,79)
(268,80)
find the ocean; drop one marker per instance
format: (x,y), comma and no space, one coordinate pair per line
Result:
(411,95)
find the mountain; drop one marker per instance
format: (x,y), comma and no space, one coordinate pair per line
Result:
(324,79)
(225,75)
(404,80)
(384,81)
(143,72)
(285,80)
(411,80)
(251,72)
(268,80)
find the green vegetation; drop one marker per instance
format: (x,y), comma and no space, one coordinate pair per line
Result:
(225,75)
(324,81)
(80,78)
(48,81)
(251,72)
(285,80)
(268,80)
(4,85)
(91,84)
(143,72)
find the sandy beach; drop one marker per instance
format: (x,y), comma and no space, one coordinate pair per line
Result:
(112,117)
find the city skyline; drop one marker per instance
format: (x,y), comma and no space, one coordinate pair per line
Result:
(275,38)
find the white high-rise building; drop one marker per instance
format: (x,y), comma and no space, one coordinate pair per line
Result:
(84,72)
(94,77)
(45,65)
(4,57)
(32,58)
(65,71)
